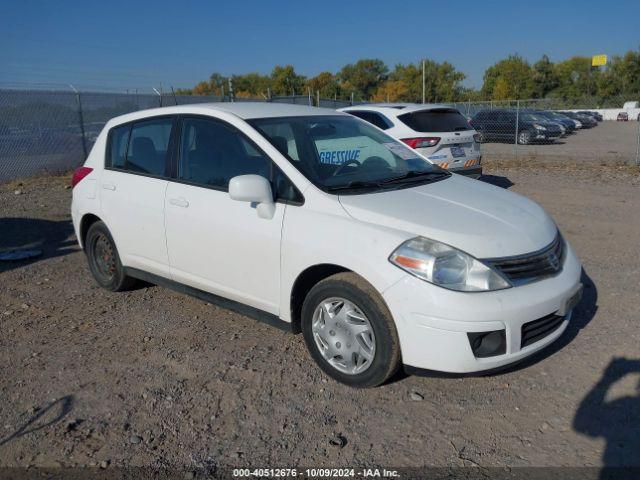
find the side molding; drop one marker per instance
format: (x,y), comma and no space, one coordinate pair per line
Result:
(255,313)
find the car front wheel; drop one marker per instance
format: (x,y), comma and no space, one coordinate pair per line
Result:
(524,138)
(349,331)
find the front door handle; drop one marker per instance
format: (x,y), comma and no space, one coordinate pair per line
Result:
(109,186)
(179,202)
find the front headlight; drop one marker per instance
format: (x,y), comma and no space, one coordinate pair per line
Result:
(446,266)
(539,127)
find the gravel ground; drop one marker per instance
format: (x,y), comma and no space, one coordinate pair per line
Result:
(154,378)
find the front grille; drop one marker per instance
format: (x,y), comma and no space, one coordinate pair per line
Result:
(521,269)
(536,330)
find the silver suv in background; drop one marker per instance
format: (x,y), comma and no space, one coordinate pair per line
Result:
(438,132)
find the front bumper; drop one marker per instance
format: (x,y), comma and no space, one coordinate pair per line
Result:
(546,137)
(433,322)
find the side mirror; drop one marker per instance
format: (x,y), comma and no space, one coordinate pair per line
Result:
(254,189)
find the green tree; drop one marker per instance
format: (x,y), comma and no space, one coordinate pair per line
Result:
(363,77)
(544,77)
(251,85)
(326,83)
(624,72)
(576,78)
(442,81)
(512,77)
(285,81)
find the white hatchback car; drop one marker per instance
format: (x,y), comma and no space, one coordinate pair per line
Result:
(315,220)
(438,132)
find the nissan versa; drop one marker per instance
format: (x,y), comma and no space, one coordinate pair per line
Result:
(316,220)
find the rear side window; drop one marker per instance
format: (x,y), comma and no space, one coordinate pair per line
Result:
(148,146)
(141,147)
(373,118)
(436,120)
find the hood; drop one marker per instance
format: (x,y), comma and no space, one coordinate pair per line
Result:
(480,219)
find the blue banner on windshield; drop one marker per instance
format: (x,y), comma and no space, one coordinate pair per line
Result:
(338,157)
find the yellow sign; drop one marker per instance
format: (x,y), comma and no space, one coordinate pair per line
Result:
(598,60)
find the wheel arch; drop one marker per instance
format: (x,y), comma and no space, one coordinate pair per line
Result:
(304,282)
(87,220)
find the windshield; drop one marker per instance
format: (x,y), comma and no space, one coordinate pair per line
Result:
(435,120)
(531,117)
(343,153)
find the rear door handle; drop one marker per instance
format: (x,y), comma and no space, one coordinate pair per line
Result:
(179,202)
(109,186)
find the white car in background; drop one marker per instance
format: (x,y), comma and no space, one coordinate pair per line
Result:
(316,221)
(438,132)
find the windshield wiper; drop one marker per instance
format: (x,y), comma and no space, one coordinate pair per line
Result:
(355,184)
(413,174)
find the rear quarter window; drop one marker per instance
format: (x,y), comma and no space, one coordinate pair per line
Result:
(118,140)
(436,120)
(373,118)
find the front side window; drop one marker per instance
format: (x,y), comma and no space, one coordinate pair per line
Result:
(212,153)
(342,153)
(435,120)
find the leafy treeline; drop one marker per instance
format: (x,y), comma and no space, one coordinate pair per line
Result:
(511,78)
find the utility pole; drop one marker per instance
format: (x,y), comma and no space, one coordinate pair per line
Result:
(424,83)
(231,93)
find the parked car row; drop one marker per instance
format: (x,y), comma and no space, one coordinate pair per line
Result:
(530,126)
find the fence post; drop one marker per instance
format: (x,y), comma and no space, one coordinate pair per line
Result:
(515,149)
(638,146)
(81,122)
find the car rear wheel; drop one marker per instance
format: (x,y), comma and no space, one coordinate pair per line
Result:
(104,261)
(349,331)
(524,138)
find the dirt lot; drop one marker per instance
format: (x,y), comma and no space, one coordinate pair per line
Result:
(151,377)
(610,143)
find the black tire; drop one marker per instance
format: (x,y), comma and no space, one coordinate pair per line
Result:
(482,138)
(355,289)
(104,261)
(524,137)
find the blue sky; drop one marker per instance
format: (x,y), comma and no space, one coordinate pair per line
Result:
(137,44)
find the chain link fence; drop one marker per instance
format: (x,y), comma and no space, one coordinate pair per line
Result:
(53,130)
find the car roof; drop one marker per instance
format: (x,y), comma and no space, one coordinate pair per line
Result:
(244,110)
(395,109)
